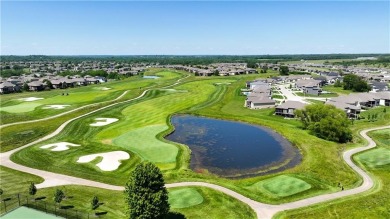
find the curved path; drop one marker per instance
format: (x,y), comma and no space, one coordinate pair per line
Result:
(262,210)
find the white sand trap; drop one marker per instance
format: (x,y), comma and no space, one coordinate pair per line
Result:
(109,162)
(103,121)
(55,106)
(223,83)
(60,146)
(106,88)
(29,99)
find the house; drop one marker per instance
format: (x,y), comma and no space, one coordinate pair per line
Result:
(352,110)
(8,87)
(379,86)
(80,81)
(287,109)
(311,87)
(90,80)
(35,86)
(259,101)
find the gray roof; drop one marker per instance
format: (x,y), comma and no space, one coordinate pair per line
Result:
(291,105)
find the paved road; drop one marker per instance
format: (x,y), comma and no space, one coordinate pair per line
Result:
(289,94)
(262,210)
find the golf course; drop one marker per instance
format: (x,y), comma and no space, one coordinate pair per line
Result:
(97,134)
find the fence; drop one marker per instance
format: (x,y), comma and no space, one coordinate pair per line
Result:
(39,203)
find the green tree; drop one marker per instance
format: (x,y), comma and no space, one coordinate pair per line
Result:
(283,70)
(338,83)
(326,121)
(353,82)
(32,190)
(145,193)
(59,195)
(26,87)
(48,83)
(216,72)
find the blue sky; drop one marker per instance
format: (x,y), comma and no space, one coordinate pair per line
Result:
(194,28)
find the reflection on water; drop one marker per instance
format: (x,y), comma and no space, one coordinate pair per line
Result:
(233,149)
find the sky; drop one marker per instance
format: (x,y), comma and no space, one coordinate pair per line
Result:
(194,27)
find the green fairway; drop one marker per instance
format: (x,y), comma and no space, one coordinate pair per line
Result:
(375,158)
(143,142)
(184,198)
(283,186)
(21,108)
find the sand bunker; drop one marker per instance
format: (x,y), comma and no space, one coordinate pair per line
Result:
(106,88)
(109,162)
(60,146)
(29,99)
(103,121)
(55,106)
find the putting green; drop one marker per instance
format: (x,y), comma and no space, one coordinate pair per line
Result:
(143,142)
(20,108)
(283,186)
(375,158)
(184,198)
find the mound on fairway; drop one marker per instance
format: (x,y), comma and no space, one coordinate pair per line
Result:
(55,106)
(143,141)
(283,186)
(375,158)
(109,162)
(184,198)
(20,108)
(29,99)
(60,146)
(103,121)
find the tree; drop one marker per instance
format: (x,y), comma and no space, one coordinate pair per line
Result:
(1,192)
(48,83)
(283,70)
(26,87)
(338,83)
(145,193)
(32,190)
(95,203)
(353,82)
(59,196)
(216,72)
(326,121)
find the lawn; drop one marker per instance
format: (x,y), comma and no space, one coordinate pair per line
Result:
(143,123)
(18,110)
(282,186)
(372,204)
(193,202)
(184,197)
(374,158)
(337,90)
(143,141)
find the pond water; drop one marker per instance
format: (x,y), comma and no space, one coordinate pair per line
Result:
(151,77)
(233,149)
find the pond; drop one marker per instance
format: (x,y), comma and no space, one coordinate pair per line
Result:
(233,149)
(151,77)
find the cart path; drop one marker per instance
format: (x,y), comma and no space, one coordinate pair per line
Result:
(262,210)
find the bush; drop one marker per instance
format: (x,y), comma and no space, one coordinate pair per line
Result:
(326,121)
